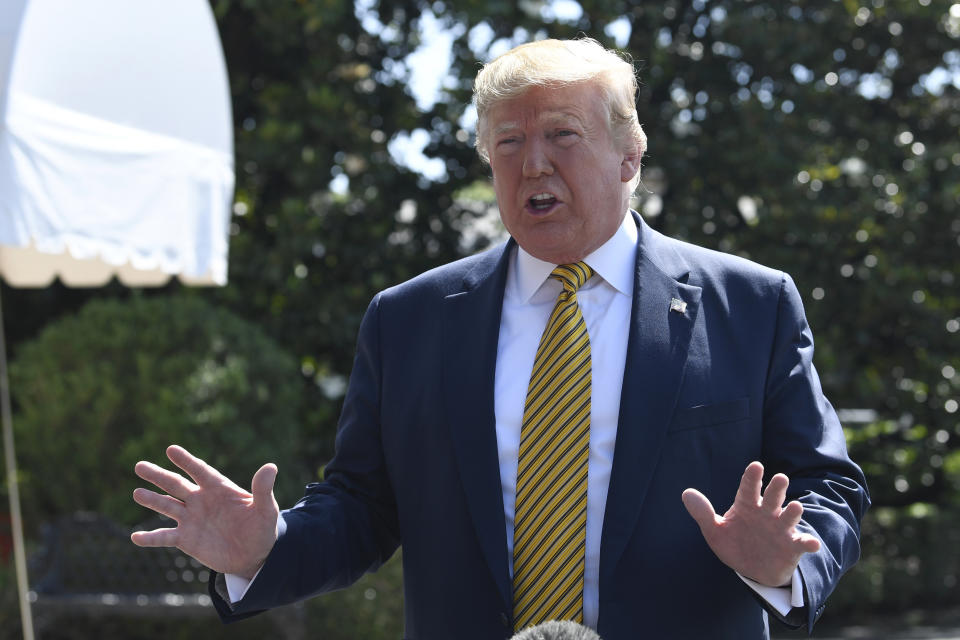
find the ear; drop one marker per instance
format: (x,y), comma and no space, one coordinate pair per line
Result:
(630,164)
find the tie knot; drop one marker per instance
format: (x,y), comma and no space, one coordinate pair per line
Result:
(572,276)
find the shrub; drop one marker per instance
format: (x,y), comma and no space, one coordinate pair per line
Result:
(120,380)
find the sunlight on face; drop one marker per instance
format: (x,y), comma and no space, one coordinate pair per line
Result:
(560,180)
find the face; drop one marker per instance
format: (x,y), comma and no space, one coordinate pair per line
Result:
(560,180)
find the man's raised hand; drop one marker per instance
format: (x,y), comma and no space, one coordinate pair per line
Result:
(757,536)
(218,523)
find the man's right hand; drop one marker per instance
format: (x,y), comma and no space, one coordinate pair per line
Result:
(224,527)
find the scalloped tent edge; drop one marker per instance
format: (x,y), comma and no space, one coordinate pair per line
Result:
(116,149)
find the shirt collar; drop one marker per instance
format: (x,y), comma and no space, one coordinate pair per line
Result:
(613,261)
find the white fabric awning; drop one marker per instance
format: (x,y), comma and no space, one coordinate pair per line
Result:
(116,153)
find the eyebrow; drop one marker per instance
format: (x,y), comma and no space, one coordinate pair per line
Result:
(554,116)
(547,117)
(505,127)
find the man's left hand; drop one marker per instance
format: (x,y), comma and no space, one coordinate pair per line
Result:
(757,537)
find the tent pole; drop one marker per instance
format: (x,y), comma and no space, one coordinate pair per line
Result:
(16,520)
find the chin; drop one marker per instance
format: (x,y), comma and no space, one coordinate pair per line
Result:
(555,255)
(551,243)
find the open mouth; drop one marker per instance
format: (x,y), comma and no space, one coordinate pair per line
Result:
(541,202)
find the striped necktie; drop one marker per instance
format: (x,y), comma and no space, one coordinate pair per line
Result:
(551,510)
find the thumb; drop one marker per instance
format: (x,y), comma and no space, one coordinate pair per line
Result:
(699,508)
(262,486)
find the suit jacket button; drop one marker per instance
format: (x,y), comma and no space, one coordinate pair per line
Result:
(504,620)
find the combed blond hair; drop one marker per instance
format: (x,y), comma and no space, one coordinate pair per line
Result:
(560,63)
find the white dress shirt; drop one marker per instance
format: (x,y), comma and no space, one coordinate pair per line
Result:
(605,302)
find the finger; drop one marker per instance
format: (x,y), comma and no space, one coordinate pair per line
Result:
(700,509)
(791,514)
(262,485)
(750,482)
(775,493)
(808,543)
(155,538)
(202,473)
(164,505)
(173,483)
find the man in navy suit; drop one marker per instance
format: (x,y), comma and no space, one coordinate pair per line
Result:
(702,376)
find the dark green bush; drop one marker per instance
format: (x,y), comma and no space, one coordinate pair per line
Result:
(120,380)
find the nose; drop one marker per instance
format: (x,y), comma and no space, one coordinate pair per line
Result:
(536,160)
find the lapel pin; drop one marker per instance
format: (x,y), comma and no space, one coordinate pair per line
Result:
(678,305)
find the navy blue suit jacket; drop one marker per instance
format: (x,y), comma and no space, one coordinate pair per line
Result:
(705,392)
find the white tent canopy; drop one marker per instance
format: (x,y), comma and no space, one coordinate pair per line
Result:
(116,158)
(116,153)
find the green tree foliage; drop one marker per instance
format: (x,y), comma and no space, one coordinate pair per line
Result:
(819,137)
(119,381)
(317,97)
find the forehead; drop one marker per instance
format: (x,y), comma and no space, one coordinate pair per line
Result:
(582,103)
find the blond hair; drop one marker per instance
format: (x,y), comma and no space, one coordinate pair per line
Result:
(560,63)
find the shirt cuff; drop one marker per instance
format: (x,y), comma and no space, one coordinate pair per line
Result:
(780,598)
(237,586)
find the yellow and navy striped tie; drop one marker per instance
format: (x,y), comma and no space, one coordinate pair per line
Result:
(551,510)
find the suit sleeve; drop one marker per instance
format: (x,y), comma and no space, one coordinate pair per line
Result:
(803,439)
(345,525)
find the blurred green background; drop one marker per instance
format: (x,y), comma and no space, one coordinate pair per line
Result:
(820,137)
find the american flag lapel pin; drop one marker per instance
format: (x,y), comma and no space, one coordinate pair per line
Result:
(678,305)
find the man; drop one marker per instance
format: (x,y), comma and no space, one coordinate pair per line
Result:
(528,422)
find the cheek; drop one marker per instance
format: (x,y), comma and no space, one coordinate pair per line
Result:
(608,177)
(503,185)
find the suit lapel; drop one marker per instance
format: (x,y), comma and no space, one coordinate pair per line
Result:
(471,326)
(656,356)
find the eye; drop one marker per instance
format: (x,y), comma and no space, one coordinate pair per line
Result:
(564,135)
